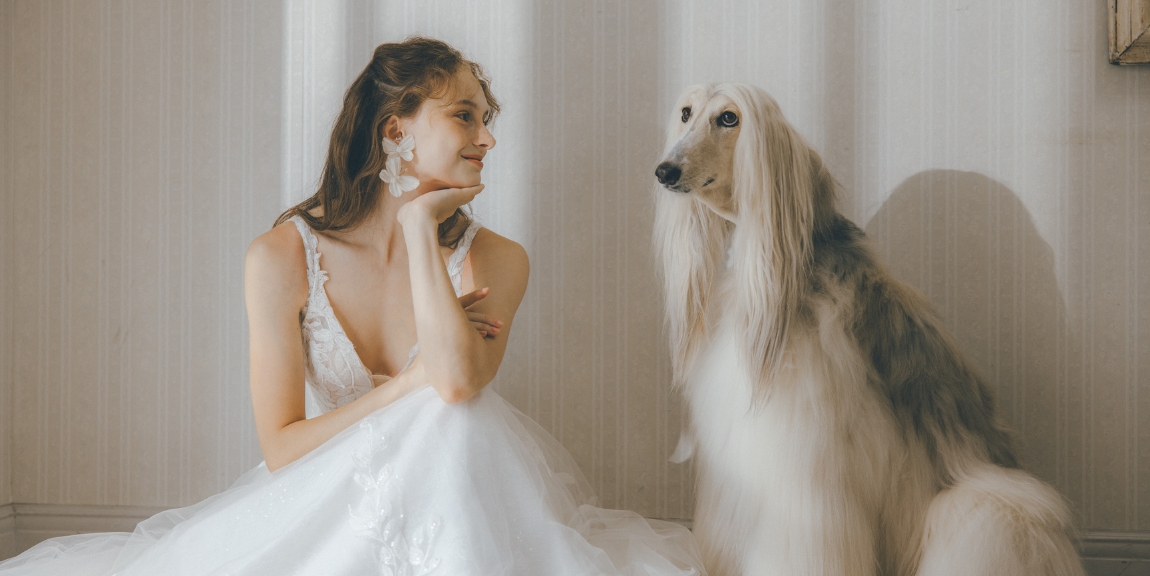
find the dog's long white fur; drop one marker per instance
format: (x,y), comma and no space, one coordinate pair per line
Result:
(838,428)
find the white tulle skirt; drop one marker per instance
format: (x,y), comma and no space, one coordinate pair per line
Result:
(419,487)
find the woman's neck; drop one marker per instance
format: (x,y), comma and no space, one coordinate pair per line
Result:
(379,232)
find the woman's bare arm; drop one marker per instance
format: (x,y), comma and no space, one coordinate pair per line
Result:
(275,290)
(458,362)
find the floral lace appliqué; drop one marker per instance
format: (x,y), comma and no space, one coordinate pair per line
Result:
(334,371)
(335,374)
(403,548)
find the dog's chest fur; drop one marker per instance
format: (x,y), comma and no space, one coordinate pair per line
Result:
(814,408)
(820,440)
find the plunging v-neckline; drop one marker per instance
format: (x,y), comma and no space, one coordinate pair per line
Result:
(317,277)
(347,339)
(454,272)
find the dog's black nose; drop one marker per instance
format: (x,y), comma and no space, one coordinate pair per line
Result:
(668,173)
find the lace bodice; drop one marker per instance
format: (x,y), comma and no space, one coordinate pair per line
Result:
(335,374)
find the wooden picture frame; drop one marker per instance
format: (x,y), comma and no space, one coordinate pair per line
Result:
(1129,25)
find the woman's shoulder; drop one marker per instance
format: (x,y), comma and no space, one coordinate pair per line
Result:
(277,259)
(499,261)
(281,243)
(490,247)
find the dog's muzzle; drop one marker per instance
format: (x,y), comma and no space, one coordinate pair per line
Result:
(668,174)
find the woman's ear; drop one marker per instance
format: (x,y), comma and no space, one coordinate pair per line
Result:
(392,129)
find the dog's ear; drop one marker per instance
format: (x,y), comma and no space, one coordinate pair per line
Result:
(688,241)
(774,188)
(824,193)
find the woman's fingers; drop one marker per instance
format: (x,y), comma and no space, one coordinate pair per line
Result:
(442,203)
(472,297)
(485,324)
(485,319)
(461,196)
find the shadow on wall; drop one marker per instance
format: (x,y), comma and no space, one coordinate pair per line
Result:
(969,244)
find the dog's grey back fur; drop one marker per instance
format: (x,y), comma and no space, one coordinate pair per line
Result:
(936,395)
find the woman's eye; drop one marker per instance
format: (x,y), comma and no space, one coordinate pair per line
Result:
(465,116)
(728,119)
(686,113)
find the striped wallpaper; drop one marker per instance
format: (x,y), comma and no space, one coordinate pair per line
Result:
(143,143)
(7,256)
(999,163)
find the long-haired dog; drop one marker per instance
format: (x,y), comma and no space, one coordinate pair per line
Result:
(838,429)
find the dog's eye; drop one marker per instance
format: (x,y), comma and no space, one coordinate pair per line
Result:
(728,119)
(686,113)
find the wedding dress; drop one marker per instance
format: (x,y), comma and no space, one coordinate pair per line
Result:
(419,487)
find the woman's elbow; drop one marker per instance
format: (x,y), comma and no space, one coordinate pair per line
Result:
(459,383)
(276,452)
(456,395)
(274,460)
(459,390)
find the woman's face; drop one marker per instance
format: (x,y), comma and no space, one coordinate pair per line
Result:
(451,136)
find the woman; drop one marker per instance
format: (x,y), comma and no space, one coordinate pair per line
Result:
(391,458)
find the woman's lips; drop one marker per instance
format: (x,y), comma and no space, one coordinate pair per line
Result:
(476,162)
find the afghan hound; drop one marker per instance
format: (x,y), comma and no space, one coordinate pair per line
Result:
(837,427)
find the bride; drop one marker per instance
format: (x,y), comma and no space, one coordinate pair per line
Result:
(383,452)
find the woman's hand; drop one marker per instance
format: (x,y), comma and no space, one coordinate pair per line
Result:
(437,204)
(486,325)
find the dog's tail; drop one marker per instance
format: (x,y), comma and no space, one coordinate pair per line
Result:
(995,520)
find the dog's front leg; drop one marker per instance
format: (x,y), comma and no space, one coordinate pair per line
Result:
(818,532)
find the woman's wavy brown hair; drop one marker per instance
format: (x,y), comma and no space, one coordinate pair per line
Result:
(399,79)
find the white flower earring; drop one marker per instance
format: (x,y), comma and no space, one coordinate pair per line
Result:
(392,173)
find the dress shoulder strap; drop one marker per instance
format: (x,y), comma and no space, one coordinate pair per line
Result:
(310,252)
(455,263)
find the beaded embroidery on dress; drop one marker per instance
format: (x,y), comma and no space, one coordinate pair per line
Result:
(417,488)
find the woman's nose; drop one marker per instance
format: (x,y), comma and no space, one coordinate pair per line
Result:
(486,139)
